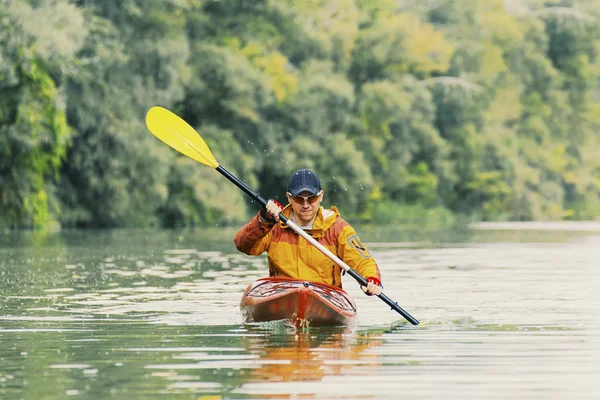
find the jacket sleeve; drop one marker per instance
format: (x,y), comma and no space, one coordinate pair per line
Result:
(354,253)
(254,237)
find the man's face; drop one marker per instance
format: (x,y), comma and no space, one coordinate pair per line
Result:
(305,206)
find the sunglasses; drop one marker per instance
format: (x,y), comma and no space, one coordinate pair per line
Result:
(309,199)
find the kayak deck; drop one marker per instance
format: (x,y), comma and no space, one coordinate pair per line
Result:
(304,303)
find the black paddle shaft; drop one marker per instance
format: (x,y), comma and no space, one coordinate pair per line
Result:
(394,305)
(254,195)
(259,199)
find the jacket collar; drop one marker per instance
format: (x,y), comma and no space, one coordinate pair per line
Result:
(325,219)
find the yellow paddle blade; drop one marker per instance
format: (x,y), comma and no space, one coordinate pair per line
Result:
(178,134)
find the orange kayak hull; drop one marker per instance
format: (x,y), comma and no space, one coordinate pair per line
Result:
(303,303)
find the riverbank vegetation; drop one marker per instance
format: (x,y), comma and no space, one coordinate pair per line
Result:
(484,109)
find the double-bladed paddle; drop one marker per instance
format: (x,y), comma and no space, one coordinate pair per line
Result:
(178,134)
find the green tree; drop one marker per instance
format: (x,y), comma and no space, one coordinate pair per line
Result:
(133,58)
(33,131)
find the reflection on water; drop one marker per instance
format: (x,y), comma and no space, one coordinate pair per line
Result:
(309,358)
(270,354)
(138,314)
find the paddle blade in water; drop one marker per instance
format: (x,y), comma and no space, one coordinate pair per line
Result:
(178,134)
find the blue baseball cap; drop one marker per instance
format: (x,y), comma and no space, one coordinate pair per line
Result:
(304,180)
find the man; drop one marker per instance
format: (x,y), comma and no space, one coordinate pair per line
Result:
(291,255)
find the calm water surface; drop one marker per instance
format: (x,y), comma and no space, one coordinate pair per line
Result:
(512,312)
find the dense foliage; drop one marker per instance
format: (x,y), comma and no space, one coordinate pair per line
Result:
(489,109)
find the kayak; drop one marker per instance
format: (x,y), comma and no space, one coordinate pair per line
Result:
(303,303)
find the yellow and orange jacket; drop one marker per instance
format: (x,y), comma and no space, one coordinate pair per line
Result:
(290,255)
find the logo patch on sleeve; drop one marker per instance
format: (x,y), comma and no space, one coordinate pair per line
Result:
(355,243)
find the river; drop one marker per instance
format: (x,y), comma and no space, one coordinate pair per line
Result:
(506,311)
